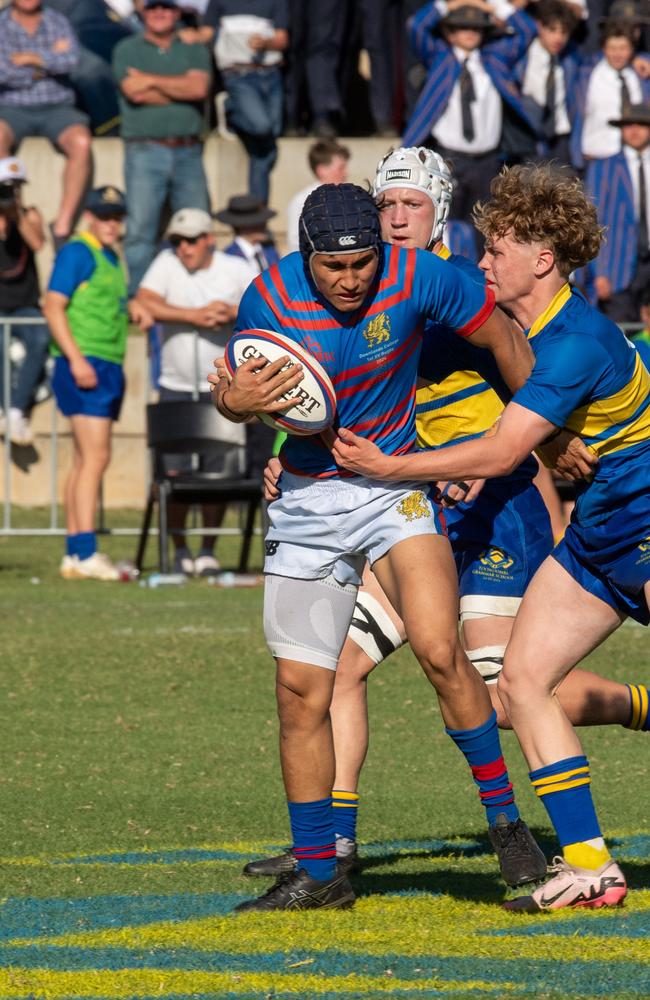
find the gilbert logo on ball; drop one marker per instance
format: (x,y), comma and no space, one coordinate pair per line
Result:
(315,399)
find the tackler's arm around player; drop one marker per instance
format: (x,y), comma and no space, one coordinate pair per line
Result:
(518,433)
(257,386)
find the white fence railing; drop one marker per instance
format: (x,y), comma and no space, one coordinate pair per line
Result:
(54,528)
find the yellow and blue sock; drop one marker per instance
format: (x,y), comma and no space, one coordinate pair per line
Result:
(639,707)
(482,750)
(314,842)
(565,791)
(83,544)
(346,808)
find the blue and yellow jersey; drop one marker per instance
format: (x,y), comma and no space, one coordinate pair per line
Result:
(460,391)
(589,377)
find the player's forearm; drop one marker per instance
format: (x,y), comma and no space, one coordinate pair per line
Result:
(483,458)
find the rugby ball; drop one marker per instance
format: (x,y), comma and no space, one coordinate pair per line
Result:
(315,399)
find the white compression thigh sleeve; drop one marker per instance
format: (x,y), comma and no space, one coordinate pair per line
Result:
(488,660)
(372,629)
(307,620)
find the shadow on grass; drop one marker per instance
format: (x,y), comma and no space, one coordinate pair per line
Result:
(485,886)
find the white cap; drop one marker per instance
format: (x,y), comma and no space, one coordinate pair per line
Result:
(189,222)
(12,169)
(421,169)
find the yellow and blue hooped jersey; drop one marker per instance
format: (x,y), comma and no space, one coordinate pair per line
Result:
(589,377)
(461,393)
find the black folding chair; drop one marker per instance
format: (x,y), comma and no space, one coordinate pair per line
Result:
(192,428)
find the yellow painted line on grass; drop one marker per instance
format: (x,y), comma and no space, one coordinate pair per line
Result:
(25,983)
(381,925)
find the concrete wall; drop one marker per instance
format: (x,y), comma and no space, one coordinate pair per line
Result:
(226,168)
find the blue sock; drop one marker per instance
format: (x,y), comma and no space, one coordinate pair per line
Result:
(565,791)
(314,841)
(482,750)
(346,808)
(639,707)
(86,544)
(71,547)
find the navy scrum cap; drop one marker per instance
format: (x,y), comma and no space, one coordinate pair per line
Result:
(339,218)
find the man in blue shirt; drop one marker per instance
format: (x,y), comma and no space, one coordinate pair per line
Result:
(38,51)
(539,227)
(360,306)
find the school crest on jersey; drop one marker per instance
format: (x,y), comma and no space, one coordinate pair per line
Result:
(414,506)
(496,558)
(378,331)
(645,545)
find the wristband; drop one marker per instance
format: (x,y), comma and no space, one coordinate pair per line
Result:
(236,418)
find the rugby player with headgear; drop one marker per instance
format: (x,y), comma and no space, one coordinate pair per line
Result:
(360,307)
(498,539)
(539,227)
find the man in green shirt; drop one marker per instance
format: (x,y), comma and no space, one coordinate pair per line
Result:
(164,83)
(86,310)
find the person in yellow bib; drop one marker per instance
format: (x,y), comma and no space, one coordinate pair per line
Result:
(87,312)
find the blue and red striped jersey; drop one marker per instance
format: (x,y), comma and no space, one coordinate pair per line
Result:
(372,354)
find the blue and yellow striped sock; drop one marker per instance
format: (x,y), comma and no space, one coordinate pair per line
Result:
(314,843)
(565,791)
(639,707)
(346,808)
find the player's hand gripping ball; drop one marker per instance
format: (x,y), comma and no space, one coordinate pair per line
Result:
(315,399)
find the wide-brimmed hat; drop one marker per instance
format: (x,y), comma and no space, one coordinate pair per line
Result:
(627,12)
(635,114)
(244,210)
(468,16)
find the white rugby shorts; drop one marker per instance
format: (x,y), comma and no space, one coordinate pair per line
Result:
(323,527)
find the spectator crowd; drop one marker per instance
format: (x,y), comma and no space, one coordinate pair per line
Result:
(482,83)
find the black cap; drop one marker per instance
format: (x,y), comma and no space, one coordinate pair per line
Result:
(106,200)
(160,3)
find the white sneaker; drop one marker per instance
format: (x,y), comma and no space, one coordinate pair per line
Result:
(207,565)
(575,887)
(20,431)
(68,567)
(97,567)
(183,562)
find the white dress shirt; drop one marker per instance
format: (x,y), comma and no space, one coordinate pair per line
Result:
(632,159)
(599,139)
(487,112)
(534,84)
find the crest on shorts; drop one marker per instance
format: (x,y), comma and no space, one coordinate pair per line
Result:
(414,506)
(378,330)
(645,544)
(497,558)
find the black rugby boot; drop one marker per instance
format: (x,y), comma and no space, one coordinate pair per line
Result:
(299,891)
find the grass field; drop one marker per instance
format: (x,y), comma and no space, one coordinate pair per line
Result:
(139,772)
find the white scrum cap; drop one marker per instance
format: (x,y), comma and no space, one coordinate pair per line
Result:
(423,170)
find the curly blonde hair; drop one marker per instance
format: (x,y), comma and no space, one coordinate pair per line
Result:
(543,203)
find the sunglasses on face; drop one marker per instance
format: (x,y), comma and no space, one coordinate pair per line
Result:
(177,240)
